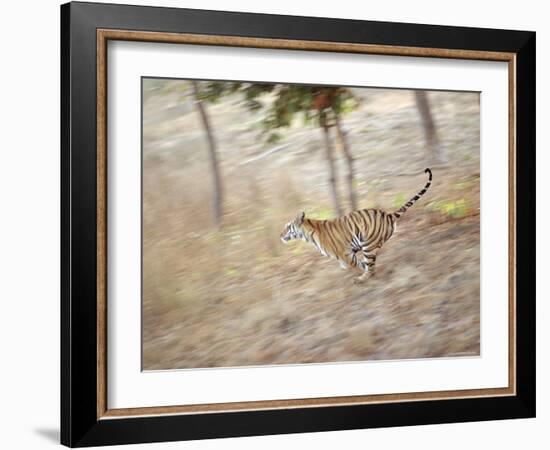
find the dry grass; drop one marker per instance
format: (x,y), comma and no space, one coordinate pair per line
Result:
(238,296)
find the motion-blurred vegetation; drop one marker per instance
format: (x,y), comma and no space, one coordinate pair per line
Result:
(226,165)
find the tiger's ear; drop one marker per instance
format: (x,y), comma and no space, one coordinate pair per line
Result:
(300,218)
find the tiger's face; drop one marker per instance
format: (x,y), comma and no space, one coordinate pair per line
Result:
(292,230)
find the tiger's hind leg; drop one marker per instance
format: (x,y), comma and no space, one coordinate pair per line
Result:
(361,257)
(368,265)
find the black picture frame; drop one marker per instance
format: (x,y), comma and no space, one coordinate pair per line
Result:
(80,425)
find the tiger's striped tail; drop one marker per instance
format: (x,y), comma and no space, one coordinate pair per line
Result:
(397,214)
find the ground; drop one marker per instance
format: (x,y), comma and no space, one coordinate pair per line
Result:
(238,296)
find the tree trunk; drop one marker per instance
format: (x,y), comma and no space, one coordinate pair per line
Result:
(343,139)
(430,132)
(331,164)
(214,164)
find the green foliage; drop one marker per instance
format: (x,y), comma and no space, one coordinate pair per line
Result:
(231,272)
(344,102)
(274,138)
(254,90)
(213,237)
(212,91)
(253,105)
(321,214)
(399,200)
(281,104)
(307,117)
(466,183)
(455,209)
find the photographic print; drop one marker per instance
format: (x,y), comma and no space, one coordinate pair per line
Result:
(277,224)
(295,224)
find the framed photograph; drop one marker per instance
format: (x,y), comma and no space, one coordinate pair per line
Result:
(277,224)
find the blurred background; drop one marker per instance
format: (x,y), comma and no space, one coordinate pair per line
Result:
(226,165)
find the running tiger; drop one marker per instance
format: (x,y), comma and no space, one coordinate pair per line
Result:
(354,239)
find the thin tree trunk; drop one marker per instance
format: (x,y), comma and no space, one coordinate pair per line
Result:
(342,137)
(430,132)
(214,164)
(332,166)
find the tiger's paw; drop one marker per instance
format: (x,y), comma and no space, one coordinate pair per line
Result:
(364,277)
(361,279)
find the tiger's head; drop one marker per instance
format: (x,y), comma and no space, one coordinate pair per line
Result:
(293,229)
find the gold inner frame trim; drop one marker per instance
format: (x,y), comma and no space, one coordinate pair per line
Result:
(103,36)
